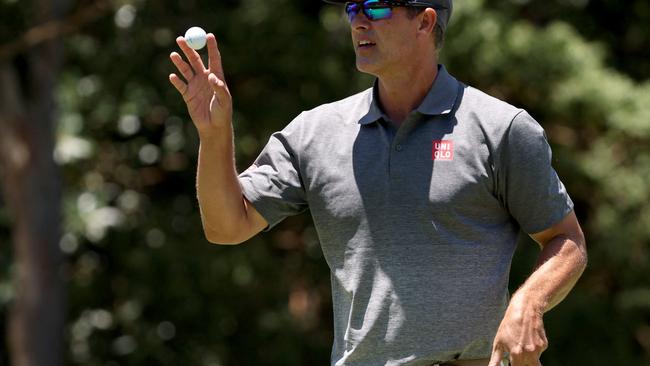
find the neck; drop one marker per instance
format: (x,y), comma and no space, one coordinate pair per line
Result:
(403,92)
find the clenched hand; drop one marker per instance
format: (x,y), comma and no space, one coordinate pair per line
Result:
(521,335)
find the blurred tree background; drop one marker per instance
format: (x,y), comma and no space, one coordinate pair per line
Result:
(145,288)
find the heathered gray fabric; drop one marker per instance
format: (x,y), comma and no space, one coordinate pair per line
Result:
(419,248)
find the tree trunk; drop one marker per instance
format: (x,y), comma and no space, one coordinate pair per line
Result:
(32,189)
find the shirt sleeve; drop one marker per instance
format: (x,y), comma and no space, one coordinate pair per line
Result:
(528,185)
(273,183)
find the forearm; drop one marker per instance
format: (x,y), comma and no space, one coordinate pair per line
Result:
(558,268)
(218,190)
(521,335)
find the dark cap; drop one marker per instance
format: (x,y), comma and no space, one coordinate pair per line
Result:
(443,8)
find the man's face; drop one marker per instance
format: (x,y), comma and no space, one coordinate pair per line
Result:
(384,46)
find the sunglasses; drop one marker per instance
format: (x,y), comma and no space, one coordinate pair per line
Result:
(375,9)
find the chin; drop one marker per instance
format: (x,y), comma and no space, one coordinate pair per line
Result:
(367,68)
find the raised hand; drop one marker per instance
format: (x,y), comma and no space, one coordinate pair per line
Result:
(204,91)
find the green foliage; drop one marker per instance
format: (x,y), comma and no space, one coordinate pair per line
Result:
(599,122)
(145,286)
(623,26)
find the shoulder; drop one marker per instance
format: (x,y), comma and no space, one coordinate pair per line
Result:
(334,116)
(487,108)
(494,117)
(327,123)
(349,109)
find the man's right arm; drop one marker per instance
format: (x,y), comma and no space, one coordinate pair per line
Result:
(227,217)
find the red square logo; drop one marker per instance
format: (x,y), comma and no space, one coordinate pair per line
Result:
(443,150)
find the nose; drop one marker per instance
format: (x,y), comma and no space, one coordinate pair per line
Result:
(359,21)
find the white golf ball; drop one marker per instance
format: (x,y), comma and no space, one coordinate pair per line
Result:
(196,37)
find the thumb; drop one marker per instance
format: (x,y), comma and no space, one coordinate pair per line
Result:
(497,356)
(219,87)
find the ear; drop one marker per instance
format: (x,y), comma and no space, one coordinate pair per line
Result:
(428,20)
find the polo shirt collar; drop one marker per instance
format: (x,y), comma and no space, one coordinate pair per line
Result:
(440,99)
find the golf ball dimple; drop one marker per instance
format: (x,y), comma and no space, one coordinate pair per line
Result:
(196,38)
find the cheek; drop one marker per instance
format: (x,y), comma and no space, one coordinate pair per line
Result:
(399,40)
(398,47)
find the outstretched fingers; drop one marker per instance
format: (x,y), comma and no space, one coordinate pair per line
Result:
(191,55)
(220,89)
(215,57)
(178,84)
(182,66)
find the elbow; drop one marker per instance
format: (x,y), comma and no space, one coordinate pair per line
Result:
(220,241)
(222,237)
(582,244)
(581,255)
(585,259)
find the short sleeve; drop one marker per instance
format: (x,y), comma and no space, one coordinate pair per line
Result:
(528,185)
(273,183)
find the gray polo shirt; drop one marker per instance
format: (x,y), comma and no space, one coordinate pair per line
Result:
(418,224)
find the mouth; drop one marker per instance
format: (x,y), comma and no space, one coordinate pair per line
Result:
(365,44)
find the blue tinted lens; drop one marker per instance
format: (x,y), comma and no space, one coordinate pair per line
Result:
(373,9)
(378,13)
(352,9)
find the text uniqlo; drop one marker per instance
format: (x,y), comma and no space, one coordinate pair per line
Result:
(443,150)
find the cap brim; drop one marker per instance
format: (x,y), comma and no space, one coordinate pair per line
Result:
(412,2)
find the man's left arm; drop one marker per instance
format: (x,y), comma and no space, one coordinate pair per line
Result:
(561,262)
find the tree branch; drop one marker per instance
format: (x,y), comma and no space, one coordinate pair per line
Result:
(53,29)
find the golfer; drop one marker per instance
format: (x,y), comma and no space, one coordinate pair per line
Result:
(418,188)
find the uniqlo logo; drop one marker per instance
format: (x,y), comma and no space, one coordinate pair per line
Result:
(443,150)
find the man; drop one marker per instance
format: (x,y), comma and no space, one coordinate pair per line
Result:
(417,188)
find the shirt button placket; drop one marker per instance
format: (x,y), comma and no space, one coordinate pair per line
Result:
(396,157)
